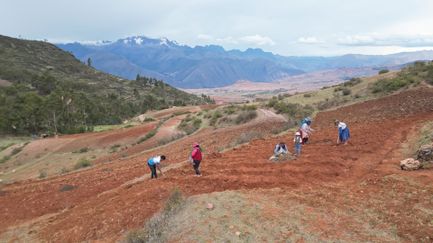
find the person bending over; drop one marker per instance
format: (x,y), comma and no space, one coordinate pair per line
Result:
(154,163)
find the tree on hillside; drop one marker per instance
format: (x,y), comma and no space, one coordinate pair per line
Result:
(89,62)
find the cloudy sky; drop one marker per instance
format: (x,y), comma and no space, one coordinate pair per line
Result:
(286,27)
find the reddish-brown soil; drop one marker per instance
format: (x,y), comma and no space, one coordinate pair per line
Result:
(102,207)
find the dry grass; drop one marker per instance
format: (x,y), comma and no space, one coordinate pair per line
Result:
(247,137)
(154,229)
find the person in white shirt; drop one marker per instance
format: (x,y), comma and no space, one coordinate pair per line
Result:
(154,163)
(343,132)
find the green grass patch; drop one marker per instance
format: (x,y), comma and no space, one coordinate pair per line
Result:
(352,82)
(3,147)
(43,174)
(82,150)
(4,159)
(179,113)
(426,135)
(190,124)
(390,85)
(245,116)
(147,136)
(383,71)
(16,151)
(83,163)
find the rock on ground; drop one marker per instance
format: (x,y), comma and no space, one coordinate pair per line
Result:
(425,153)
(410,164)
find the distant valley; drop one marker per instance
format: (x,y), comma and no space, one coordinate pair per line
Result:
(212,66)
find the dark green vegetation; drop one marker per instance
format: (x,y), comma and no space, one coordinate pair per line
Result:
(293,111)
(352,82)
(383,71)
(190,124)
(409,76)
(147,136)
(52,92)
(83,163)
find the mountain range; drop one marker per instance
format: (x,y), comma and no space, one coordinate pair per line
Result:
(212,66)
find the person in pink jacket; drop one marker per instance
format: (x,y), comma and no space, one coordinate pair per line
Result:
(196,158)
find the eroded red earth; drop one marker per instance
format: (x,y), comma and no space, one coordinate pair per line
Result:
(103,207)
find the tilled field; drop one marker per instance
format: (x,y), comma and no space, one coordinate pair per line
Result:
(102,207)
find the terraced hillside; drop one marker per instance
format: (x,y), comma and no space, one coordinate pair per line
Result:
(346,193)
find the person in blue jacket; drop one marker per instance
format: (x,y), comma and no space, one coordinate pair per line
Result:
(154,163)
(343,132)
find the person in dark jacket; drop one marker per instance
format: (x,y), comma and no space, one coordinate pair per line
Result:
(196,158)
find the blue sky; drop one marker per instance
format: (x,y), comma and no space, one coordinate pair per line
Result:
(307,27)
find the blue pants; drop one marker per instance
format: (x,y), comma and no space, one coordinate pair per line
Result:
(298,147)
(152,171)
(344,134)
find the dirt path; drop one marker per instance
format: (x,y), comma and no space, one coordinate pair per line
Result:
(95,211)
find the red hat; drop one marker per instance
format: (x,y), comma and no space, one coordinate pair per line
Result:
(195,145)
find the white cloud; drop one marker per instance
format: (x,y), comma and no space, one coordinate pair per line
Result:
(205,37)
(387,40)
(257,40)
(309,40)
(227,40)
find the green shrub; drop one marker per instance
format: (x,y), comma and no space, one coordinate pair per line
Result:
(390,85)
(66,188)
(147,136)
(83,163)
(307,95)
(82,150)
(148,119)
(229,109)
(42,174)
(346,91)
(352,82)
(429,78)
(245,116)
(178,113)
(249,107)
(16,151)
(4,159)
(114,148)
(338,88)
(216,115)
(190,125)
(6,146)
(383,71)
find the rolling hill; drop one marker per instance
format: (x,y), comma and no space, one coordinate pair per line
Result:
(46,89)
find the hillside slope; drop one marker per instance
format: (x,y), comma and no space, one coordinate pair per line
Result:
(355,187)
(54,91)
